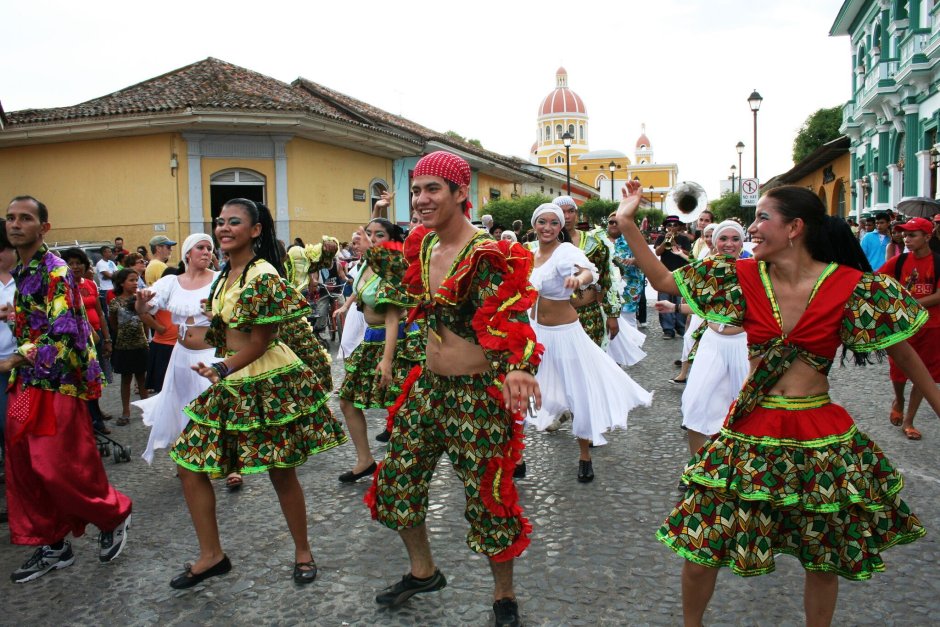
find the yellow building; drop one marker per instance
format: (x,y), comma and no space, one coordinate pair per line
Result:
(562,112)
(162,156)
(826,172)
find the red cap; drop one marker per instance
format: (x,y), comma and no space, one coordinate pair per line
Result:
(446,165)
(917,224)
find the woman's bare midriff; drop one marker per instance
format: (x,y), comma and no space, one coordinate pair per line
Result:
(799,380)
(450,355)
(582,298)
(552,313)
(372,316)
(725,329)
(236,340)
(195,338)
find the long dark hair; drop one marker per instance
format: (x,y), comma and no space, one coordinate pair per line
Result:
(265,246)
(395,232)
(827,238)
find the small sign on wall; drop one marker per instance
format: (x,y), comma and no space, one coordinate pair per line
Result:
(159,228)
(359,195)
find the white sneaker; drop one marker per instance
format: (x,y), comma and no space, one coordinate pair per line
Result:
(111,543)
(556,423)
(44,559)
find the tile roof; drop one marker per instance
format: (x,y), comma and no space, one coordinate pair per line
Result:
(212,84)
(204,85)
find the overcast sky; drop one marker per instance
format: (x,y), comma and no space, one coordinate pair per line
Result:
(684,67)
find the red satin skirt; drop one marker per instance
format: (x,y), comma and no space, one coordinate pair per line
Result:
(56,484)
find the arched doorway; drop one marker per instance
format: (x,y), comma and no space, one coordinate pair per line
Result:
(825,202)
(235,183)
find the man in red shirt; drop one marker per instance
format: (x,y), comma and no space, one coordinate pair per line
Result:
(916,270)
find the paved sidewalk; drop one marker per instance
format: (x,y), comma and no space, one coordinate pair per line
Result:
(593,558)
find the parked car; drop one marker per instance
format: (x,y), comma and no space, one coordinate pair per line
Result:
(92,249)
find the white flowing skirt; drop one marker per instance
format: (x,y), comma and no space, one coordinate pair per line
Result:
(625,348)
(576,375)
(718,372)
(691,325)
(354,329)
(163,412)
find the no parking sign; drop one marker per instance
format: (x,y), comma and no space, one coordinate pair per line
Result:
(750,189)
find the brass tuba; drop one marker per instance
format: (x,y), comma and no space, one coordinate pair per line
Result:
(686,201)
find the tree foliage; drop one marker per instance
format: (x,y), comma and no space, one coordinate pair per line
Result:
(819,128)
(729,207)
(458,136)
(505,211)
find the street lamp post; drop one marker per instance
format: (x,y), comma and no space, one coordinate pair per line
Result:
(651,195)
(613,168)
(566,138)
(734,170)
(740,149)
(754,101)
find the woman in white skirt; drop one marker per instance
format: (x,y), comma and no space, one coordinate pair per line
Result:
(626,348)
(575,375)
(183,296)
(694,324)
(720,364)
(354,322)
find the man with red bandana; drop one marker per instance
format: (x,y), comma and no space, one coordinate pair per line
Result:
(473,292)
(917,271)
(56,483)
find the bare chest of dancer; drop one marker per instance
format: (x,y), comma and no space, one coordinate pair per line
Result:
(801,379)
(448,354)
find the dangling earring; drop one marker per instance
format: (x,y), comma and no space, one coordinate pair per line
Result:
(791,242)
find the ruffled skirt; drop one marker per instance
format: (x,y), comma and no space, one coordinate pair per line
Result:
(163,412)
(252,423)
(688,341)
(576,375)
(796,477)
(716,377)
(625,348)
(361,385)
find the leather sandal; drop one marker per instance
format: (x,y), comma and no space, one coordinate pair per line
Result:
(896,417)
(911,433)
(305,572)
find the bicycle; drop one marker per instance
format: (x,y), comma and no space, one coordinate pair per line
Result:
(324,302)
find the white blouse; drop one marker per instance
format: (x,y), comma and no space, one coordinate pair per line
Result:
(183,304)
(549,278)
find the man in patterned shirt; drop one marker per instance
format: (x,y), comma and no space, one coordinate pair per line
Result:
(56,483)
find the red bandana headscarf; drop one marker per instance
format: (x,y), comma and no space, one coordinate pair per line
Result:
(448,166)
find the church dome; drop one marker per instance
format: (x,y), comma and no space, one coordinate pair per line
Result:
(643,142)
(561,99)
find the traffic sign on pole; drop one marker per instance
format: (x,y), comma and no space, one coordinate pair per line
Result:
(750,189)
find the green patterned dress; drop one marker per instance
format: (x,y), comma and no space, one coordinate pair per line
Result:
(273,412)
(793,475)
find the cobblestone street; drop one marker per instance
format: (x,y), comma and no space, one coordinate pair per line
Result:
(593,558)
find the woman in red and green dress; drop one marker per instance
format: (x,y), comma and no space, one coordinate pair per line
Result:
(790,473)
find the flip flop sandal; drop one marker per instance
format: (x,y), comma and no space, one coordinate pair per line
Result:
(911,433)
(895,417)
(234,483)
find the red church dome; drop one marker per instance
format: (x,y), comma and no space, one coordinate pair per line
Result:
(561,99)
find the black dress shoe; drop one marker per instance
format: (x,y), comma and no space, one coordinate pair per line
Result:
(305,572)
(585,471)
(352,477)
(519,472)
(188,579)
(384,436)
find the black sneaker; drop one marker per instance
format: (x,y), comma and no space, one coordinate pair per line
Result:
(507,613)
(44,559)
(409,586)
(111,543)
(519,471)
